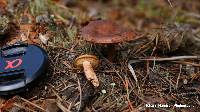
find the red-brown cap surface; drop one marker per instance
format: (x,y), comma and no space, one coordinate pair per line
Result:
(105,32)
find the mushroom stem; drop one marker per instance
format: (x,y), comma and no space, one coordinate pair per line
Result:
(111,52)
(90,74)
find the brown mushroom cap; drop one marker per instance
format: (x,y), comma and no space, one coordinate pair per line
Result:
(105,32)
(94,61)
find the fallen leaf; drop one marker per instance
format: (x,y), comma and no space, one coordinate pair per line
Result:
(50,105)
(26,27)
(3,5)
(44,38)
(8,104)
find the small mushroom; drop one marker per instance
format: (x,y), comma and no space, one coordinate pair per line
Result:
(107,33)
(87,63)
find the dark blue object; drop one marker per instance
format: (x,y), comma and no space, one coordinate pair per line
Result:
(20,65)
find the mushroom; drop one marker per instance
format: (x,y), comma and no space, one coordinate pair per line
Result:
(107,33)
(87,63)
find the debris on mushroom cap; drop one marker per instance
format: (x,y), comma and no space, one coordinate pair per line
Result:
(92,59)
(105,31)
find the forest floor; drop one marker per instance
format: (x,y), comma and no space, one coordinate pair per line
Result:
(167,29)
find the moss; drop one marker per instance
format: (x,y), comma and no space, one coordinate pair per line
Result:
(4,25)
(72,33)
(152,10)
(38,7)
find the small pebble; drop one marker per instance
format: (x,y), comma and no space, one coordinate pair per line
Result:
(113,84)
(103,91)
(185,81)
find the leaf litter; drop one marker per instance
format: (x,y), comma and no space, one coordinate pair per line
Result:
(167,29)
